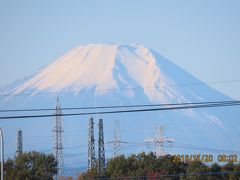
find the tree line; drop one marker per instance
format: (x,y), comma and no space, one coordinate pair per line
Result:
(30,166)
(143,166)
(148,167)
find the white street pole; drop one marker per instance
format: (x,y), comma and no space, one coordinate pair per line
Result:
(2,153)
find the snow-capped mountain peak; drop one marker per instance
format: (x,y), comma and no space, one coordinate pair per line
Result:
(105,67)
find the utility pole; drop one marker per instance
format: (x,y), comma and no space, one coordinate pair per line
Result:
(91,145)
(117,139)
(58,138)
(19,143)
(2,153)
(101,150)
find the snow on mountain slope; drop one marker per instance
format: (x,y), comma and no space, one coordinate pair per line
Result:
(102,75)
(76,68)
(99,66)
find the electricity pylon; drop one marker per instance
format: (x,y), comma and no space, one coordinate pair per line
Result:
(91,145)
(117,139)
(101,150)
(19,143)
(159,141)
(58,138)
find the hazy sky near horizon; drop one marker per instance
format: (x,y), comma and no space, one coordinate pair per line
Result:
(202,37)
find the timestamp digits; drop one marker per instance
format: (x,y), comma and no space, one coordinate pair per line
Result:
(194,157)
(227,158)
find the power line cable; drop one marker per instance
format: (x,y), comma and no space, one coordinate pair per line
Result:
(189,146)
(126,111)
(114,107)
(185,146)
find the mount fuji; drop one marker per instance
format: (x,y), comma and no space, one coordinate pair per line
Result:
(107,75)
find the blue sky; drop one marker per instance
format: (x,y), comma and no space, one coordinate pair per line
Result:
(203,36)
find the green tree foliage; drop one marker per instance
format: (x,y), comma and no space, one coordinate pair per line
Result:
(215,168)
(231,167)
(29,166)
(140,165)
(148,166)
(90,174)
(197,169)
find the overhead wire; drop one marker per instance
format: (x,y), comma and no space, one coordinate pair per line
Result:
(189,106)
(117,106)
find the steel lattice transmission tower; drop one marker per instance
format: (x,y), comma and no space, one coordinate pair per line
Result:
(91,145)
(58,138)
(19,143)
(159,141)
(117,139)
(101,150)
